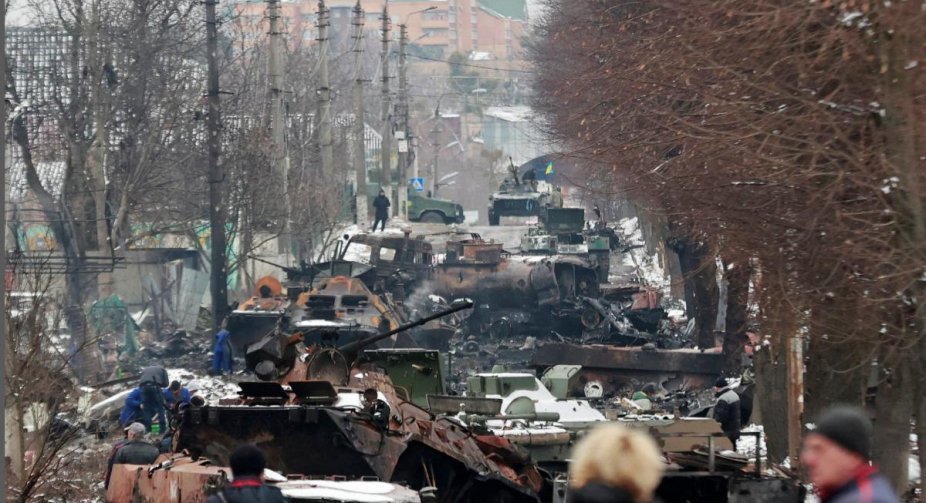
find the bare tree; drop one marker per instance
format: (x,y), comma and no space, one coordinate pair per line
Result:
(779,135)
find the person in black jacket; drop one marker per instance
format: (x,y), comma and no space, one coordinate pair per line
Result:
(381,203)
(135,451)
(377,409)
(247,464)
(151,383)
(727,410)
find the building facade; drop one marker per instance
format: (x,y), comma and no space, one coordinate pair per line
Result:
(441,27)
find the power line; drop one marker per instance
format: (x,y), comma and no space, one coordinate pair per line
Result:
(471,65)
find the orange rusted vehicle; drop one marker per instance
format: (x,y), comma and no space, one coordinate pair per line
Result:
(308,414)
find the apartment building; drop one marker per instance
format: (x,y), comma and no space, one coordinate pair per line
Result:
(491,27)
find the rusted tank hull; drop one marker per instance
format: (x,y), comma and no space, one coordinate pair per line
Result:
(185,481)
(324,441)
(618,367)
(517,282)
(505,284)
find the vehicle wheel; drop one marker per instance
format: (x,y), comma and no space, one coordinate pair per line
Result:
(432,217)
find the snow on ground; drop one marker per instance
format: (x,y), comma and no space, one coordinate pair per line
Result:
(747,443)
(211,388)
(647,267)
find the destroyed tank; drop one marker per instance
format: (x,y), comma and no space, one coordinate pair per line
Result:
(307,413)
(562,231)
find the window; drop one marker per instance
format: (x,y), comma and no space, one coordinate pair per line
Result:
(358,252)
(435,15)
(387,254)
(436,32)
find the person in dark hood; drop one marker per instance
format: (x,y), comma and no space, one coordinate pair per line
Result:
(151,383)
(837,456)
(614,464)
(381,204)
(247,464)
(727,410)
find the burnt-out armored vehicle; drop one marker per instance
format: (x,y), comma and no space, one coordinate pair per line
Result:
(562,231)
(308,413)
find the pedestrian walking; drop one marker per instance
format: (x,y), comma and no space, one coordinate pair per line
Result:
(727,410)
(381,204)
(222,352)
(247,465)
(614,464)
(837,456)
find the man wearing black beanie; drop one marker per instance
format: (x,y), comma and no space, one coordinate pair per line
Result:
(247,464)
(836,455)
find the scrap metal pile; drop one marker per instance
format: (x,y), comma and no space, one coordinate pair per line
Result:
(468,417)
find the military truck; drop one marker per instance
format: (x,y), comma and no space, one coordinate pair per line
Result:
(424,209)
(432,210)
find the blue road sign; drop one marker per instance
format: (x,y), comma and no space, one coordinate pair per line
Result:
(417,184)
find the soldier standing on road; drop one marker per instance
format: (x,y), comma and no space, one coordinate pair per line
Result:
(381,203)
(727,410)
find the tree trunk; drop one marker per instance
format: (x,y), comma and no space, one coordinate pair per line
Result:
(14,440)
(839,364)
(893,412)
(700,272)
(771,395)
(737,276)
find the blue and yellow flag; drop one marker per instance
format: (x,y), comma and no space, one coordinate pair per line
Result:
(549,170)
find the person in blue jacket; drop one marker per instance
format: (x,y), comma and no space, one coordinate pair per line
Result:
(131,411)
(176,395)
(222,353)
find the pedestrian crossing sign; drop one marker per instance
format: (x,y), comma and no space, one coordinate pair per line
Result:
(417,184)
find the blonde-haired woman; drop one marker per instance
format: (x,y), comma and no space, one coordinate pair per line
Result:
(614,464)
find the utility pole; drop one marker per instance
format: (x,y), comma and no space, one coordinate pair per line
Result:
(403,121)
(385,176)
(3,339)
(436,145)
(218,269)
(360,158)
(324,92)
(277,124)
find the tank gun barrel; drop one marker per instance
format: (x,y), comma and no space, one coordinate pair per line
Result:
(290,271)
(353,347)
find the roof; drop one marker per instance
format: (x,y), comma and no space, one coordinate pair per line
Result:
(513,9)
(518,113)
